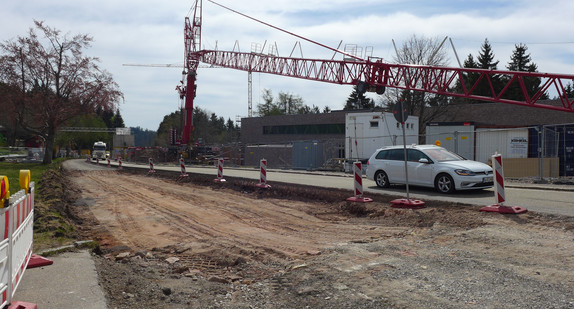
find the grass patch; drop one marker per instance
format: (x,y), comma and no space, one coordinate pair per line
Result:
(52,225)
(12,171)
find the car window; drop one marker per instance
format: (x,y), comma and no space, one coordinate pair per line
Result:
(382,155)
(397,155)
(441,155)
(414,155)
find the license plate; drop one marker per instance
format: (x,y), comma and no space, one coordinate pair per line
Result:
(487,179)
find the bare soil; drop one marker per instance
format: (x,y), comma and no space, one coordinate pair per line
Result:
(192,243)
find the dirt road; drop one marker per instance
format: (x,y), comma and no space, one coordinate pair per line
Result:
(196,244)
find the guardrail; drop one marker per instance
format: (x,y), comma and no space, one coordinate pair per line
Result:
(16,231)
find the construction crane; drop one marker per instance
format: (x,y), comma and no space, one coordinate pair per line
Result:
(370,74)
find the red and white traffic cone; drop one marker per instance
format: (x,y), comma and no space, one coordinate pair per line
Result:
(151,169)
(499,191)
(263,175)
(219,171)
(358,184)
(182,165)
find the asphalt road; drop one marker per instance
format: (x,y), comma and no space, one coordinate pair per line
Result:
(549,199)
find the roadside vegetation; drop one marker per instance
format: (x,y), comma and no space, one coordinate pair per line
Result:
(52,225)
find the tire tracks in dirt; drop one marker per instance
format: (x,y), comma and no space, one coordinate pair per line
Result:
(147,212)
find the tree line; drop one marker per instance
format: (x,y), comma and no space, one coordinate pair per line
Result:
(47,82)
(208,128)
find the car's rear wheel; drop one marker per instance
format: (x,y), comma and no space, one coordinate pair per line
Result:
(444,183)
(382,180)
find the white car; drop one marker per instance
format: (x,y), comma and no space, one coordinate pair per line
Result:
(428,166)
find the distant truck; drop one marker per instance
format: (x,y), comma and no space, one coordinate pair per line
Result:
(99,151)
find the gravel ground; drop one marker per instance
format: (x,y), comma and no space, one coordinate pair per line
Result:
(343,256)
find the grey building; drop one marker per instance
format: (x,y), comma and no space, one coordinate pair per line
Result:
(304,141)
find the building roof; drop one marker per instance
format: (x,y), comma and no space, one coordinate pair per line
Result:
(505,115)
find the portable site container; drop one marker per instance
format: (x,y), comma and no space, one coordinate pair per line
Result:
(457,137)
(554,141)
(367,132)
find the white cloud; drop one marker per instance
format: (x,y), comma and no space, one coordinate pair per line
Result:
(151,31)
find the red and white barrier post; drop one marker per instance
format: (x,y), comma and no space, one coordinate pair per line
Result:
(120,163)
(109,163)
(358,184)
(219,171)
(499,197)
(182,165)
(263,175)
(16,238)
(151,169)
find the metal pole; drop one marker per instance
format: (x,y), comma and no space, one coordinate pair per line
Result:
(543,152)
(405,151)
(539,129)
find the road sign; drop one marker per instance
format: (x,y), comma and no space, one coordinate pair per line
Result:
(401,112)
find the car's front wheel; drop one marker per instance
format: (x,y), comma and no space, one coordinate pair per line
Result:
(381,179)
(444,183)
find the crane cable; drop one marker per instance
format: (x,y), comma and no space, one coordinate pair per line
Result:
(290,33)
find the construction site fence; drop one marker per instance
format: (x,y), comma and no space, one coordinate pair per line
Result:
(536,151)
(205,155)
(16,227)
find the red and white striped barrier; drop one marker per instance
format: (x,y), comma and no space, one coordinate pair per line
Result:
(151,169)
(499,196)
(219,171)
(120,163)
(16,230)
(263,175)
(182,165)
(358,184)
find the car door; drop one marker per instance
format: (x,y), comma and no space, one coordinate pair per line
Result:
(396,166)
(419,173)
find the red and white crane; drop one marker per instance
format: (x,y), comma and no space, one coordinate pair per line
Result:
(376,75)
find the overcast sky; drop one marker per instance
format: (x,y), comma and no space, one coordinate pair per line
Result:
(151,32)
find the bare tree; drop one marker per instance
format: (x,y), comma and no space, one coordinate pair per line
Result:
(427,106)
(53,81)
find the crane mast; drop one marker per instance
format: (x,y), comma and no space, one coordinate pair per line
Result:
(192,39)
(375,75)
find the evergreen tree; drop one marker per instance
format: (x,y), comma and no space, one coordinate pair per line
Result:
(485,59)
(358,100)
(569,91)
(289,103)
(143,137)
(520,61)
(268,107)
(118,121)
(285,104)
(469,78)
(169,122)
(107,117)
(470,63)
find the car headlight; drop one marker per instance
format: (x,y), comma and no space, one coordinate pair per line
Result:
(464,172)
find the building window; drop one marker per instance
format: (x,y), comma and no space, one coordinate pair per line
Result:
(374,124)
(304,129)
